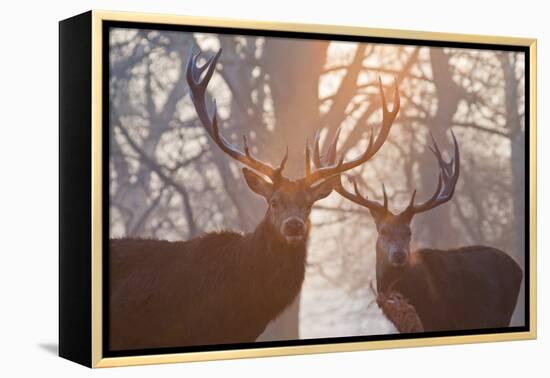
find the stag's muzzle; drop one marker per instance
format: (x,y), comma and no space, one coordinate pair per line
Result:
(293,229)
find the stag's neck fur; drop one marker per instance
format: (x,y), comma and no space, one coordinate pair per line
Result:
(272,273)
(389,277)
(270,255)
(267,235)
(259,267)
(381,265)
(464,288)
(386,274)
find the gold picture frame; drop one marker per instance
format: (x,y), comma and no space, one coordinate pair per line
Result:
(96,21)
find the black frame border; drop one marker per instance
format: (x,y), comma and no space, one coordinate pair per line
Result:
(75,183)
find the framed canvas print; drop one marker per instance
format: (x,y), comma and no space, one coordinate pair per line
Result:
(235,189)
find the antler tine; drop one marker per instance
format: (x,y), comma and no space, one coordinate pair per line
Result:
(316,152)
(198,96)
(198,87)
(385,196)
(331,152)
(329,168)
(308,159)
(325,165)
(281,167)
(245,146)
(447,179)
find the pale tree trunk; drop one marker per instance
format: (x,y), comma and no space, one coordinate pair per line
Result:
(294,70)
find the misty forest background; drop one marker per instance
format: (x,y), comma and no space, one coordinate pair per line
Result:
(168,180)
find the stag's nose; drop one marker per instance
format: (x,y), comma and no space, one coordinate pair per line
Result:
(294,227)
(399,257)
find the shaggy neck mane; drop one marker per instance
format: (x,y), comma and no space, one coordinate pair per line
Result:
(268,249)
(381,270)
(389,277)
(275,268)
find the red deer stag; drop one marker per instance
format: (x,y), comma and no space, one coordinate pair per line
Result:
(222,287)
(472,287)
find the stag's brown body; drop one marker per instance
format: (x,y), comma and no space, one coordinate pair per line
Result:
(471,287)
(474,287)
(215,289)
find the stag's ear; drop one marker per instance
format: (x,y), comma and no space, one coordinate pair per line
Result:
(257,183)
(323,189)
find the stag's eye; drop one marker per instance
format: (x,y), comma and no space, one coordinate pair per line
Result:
(273,204)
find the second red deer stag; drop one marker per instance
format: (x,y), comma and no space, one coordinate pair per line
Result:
(474,287)
(222,287)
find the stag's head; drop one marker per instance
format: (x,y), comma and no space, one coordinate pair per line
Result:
(289,201)
(394,229)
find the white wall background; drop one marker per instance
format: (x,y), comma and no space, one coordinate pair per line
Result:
(28,190)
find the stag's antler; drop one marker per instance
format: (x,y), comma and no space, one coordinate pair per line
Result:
(358,198)
(328,167)
(448,177)
(198,91)
(322,172)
